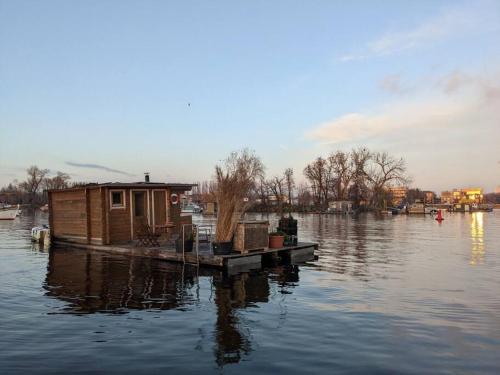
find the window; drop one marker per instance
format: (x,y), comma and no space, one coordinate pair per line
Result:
(117,199)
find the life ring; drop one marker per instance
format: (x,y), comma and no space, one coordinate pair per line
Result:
(174,199)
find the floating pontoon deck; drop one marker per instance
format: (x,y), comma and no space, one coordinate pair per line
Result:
(301,252)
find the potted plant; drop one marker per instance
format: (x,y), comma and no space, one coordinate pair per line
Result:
(288,225)
(276,240)
(235,180)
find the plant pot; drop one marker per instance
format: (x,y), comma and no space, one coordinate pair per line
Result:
(188,246)
(222,248)
(276,242)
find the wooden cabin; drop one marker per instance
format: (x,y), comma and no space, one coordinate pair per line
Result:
(111,213)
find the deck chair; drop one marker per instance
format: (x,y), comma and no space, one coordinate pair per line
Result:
(146,237)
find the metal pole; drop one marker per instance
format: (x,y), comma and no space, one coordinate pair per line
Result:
(183,254)
(195,228)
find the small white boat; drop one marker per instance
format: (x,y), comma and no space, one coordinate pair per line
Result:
(9,212)
(191,209)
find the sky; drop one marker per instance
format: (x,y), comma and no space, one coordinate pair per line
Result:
(107,90)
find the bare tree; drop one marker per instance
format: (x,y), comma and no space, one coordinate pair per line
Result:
(276,186)
(316,174)
(304,197)
(262,192)
(361,176)
(235,179)
(33,182)
(385,170)
(342,168)
(359,190)
(11,193)
(290,184)
(59,181)
(203,192)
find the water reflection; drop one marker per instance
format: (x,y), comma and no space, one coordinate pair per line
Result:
(477,237)
(351,246)
(90,282)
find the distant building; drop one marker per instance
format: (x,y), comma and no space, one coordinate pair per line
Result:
(447,197)
(344,207)
(429,197)
(472,195)
(399,194)
(274,199)
(468,196)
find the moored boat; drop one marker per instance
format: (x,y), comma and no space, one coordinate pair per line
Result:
(191,209)
(417,208)
(9,212)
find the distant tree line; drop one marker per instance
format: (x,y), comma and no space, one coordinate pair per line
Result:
(32,190)
(360,176)
(493,198)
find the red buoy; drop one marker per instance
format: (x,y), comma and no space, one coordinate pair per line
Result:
(439,216)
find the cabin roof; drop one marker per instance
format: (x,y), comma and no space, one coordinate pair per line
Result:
(147,184)
(131,185)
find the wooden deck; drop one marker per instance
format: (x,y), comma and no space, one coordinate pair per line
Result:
(301,252)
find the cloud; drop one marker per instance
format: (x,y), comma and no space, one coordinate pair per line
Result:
(447,129)
(393,84)
(486,86)
(453,82)
(99,167)
(455,104)
(450,23)
(390,119)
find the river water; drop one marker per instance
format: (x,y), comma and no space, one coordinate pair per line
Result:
(399,294)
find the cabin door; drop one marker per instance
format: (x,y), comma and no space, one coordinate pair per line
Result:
(139,210)
(159,207)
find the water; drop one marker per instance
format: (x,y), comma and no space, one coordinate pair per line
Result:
(386,295)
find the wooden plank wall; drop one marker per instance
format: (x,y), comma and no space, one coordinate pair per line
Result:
(75,220)
(119,220)
(96,216)
(159,203)
(68,215)
(251,236)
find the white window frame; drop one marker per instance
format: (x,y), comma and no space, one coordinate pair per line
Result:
(124,201)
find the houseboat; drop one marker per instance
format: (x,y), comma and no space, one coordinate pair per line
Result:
(113,213)
(417,208)
(144,219)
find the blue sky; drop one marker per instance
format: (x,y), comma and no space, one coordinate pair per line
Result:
(172,88)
